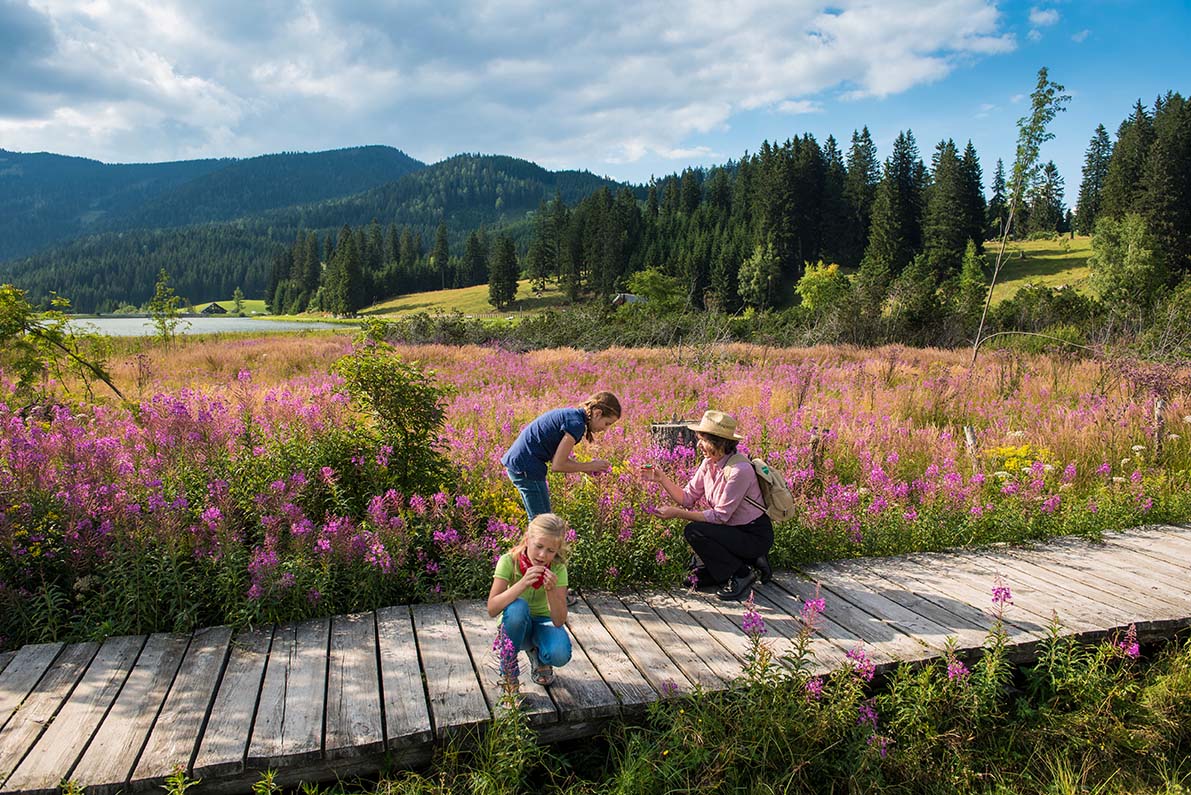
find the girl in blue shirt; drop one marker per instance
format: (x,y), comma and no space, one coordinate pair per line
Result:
(549,440)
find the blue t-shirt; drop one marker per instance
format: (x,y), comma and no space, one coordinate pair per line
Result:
(538,442)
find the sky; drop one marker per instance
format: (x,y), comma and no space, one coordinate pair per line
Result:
(629,90)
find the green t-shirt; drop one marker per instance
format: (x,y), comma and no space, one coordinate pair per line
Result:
(506,569)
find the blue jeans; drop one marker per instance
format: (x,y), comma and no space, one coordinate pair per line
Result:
(526,631)
(534,493)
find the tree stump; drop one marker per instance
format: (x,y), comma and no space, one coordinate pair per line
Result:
(672,434)
(972,448)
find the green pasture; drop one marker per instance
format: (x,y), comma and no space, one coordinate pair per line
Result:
(253,306)
(470,301)
(1060,261)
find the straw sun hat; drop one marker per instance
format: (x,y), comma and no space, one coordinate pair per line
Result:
(717,423)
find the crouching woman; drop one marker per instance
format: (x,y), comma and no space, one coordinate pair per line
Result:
(733,534)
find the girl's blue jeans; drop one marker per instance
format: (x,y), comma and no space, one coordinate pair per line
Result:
(534,493)
(526,631)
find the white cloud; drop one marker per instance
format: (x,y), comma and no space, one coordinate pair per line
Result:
(1043,17)
(580,83)
(1079,37)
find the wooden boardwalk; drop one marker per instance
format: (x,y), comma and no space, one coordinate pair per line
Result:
(353,693)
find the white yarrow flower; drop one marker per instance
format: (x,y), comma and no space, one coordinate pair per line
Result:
(1137,448)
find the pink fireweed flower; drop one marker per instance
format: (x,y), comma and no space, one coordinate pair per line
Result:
(814,688)
(1069,473)
(1135,478)
(1129,645)
(866,715)
(1001,594)
(861,664)
(418,505)
(811,610)
(327,474)
(613,572)
(752,624)
(1145,503)
(1051,503)
(956,670)
(910,515)
(1104,469)
(507,654)
(1092,506)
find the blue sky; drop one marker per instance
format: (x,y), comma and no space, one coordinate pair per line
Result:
(626,89)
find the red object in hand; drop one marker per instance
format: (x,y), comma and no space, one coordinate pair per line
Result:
(524,564)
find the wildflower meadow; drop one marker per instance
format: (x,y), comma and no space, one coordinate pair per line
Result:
(283,477)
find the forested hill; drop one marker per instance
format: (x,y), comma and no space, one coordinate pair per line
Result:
(46,197)
(248,187)
(208,261)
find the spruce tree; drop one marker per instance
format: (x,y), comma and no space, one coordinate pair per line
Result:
(835,226)
(441,257)
(502,278)
(974,204)
(998,206)
(1165,191)
(1047,212)
(1122,181)
(864,172)
(1091,186)
(760,277)
(946,225)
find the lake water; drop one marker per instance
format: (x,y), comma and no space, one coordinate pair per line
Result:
(143,326)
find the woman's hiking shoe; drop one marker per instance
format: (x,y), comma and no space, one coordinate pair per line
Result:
(737,587)
(764,570)
(701,580)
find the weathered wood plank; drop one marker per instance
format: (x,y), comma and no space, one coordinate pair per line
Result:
(1117,575)
(579,692)
(407,715)
(957,582)
(22,674)
(1170,574)
(456,699)
(884,611)
(662,673)
(5,659)
(966,629)
(882,643)
(697,637)
(692,665)
(39,707)
(829,642)
(353,689)
(225,738)
(109,759)
(615,667)
(175,732)
(702,609)
(55,752)
(289,717)
(479,631)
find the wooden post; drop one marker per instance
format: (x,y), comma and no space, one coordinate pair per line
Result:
(672,434)
(818,442)
(973,450)
(1159,426)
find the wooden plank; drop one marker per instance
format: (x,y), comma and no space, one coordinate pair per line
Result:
(884,611)
(966,630)
(955,582)
(701,608)
(55,752)
(110,757)
(662,673)
(289,716)
(687,659)
(5,659)
(39,707)
(1077,612)
(456,698)
(697,638)
(479,631)
(1119,574)
(1172,575)
(615,667)
(1167,547)
(225,738)
(829,642)
(579,692)
(882,644)
(407,716)
(22,674)
(353,689)
(176,730)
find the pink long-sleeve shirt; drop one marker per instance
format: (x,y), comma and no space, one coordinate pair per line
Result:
(731,491)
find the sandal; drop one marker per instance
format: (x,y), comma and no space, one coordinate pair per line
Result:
(541,674)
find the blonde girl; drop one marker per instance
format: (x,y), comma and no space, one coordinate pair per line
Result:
(529,593)
(548,442)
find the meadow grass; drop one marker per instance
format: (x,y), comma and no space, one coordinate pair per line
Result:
(471,301)
(1062,261)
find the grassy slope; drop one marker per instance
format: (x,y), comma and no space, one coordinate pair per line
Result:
(468,300)
(1048,262)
